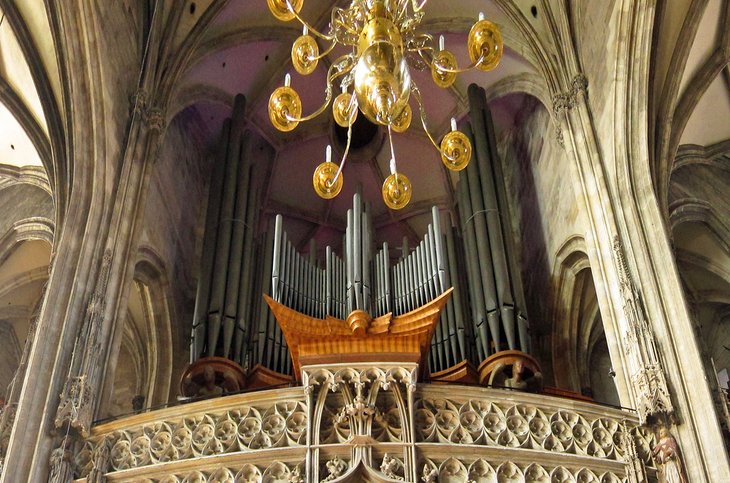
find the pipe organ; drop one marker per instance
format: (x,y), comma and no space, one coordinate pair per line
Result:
(469,248)
(363,279)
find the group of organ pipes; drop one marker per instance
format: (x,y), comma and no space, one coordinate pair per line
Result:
(470,247)
(367,279)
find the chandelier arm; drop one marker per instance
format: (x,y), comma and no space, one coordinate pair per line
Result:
(344,155)
(325,53)
(306,24)
(402,9)
(331,76)
(420,52)
(459,70)
(337,15)
(417,95)
(417,8)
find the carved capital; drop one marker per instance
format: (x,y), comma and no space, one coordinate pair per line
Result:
(154,118)
(139,101)
(561,103)
(578,87)
(565,101)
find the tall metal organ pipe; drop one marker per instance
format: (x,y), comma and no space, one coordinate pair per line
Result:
(488,241)
(229,318)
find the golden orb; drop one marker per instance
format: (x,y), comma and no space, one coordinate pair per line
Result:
(323,180)
(403,121)
(382,78)
(340,109)
(285,101)
(281,11)
(485,38)
(441,77)
(397,191)
(304,52)
(455,150)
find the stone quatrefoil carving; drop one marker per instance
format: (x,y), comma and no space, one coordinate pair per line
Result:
(481,471)
(247,428)
(486,423)
(248,473)
(367,408)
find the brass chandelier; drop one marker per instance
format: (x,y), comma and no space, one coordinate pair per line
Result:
(375,80)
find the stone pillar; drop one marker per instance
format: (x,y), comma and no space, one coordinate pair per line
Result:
(116,229)
(648,326)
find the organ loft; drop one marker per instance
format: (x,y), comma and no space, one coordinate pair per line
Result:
(364,241)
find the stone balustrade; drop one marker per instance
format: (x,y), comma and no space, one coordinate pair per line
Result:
(412,432)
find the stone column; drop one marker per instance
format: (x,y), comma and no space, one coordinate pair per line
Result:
(117,231)
(648,326)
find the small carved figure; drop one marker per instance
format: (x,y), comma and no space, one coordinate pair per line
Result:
(336,468)
(209,388)
(296,475)
(62,462)
(500,377)
(389,467)
(138,403)
(668,458)
(430,474)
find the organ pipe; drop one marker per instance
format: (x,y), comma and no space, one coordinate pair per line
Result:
(223,240)
(202,296)
(488,243)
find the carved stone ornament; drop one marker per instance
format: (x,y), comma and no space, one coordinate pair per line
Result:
(336,467)
(635,469)
(565,101)
(361,405)
(62,467)
(76,406)
(139,101)
(245,428)
(155,119)
(645,369)
(370,423)
(100,462)
(7,418)
(455,469)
